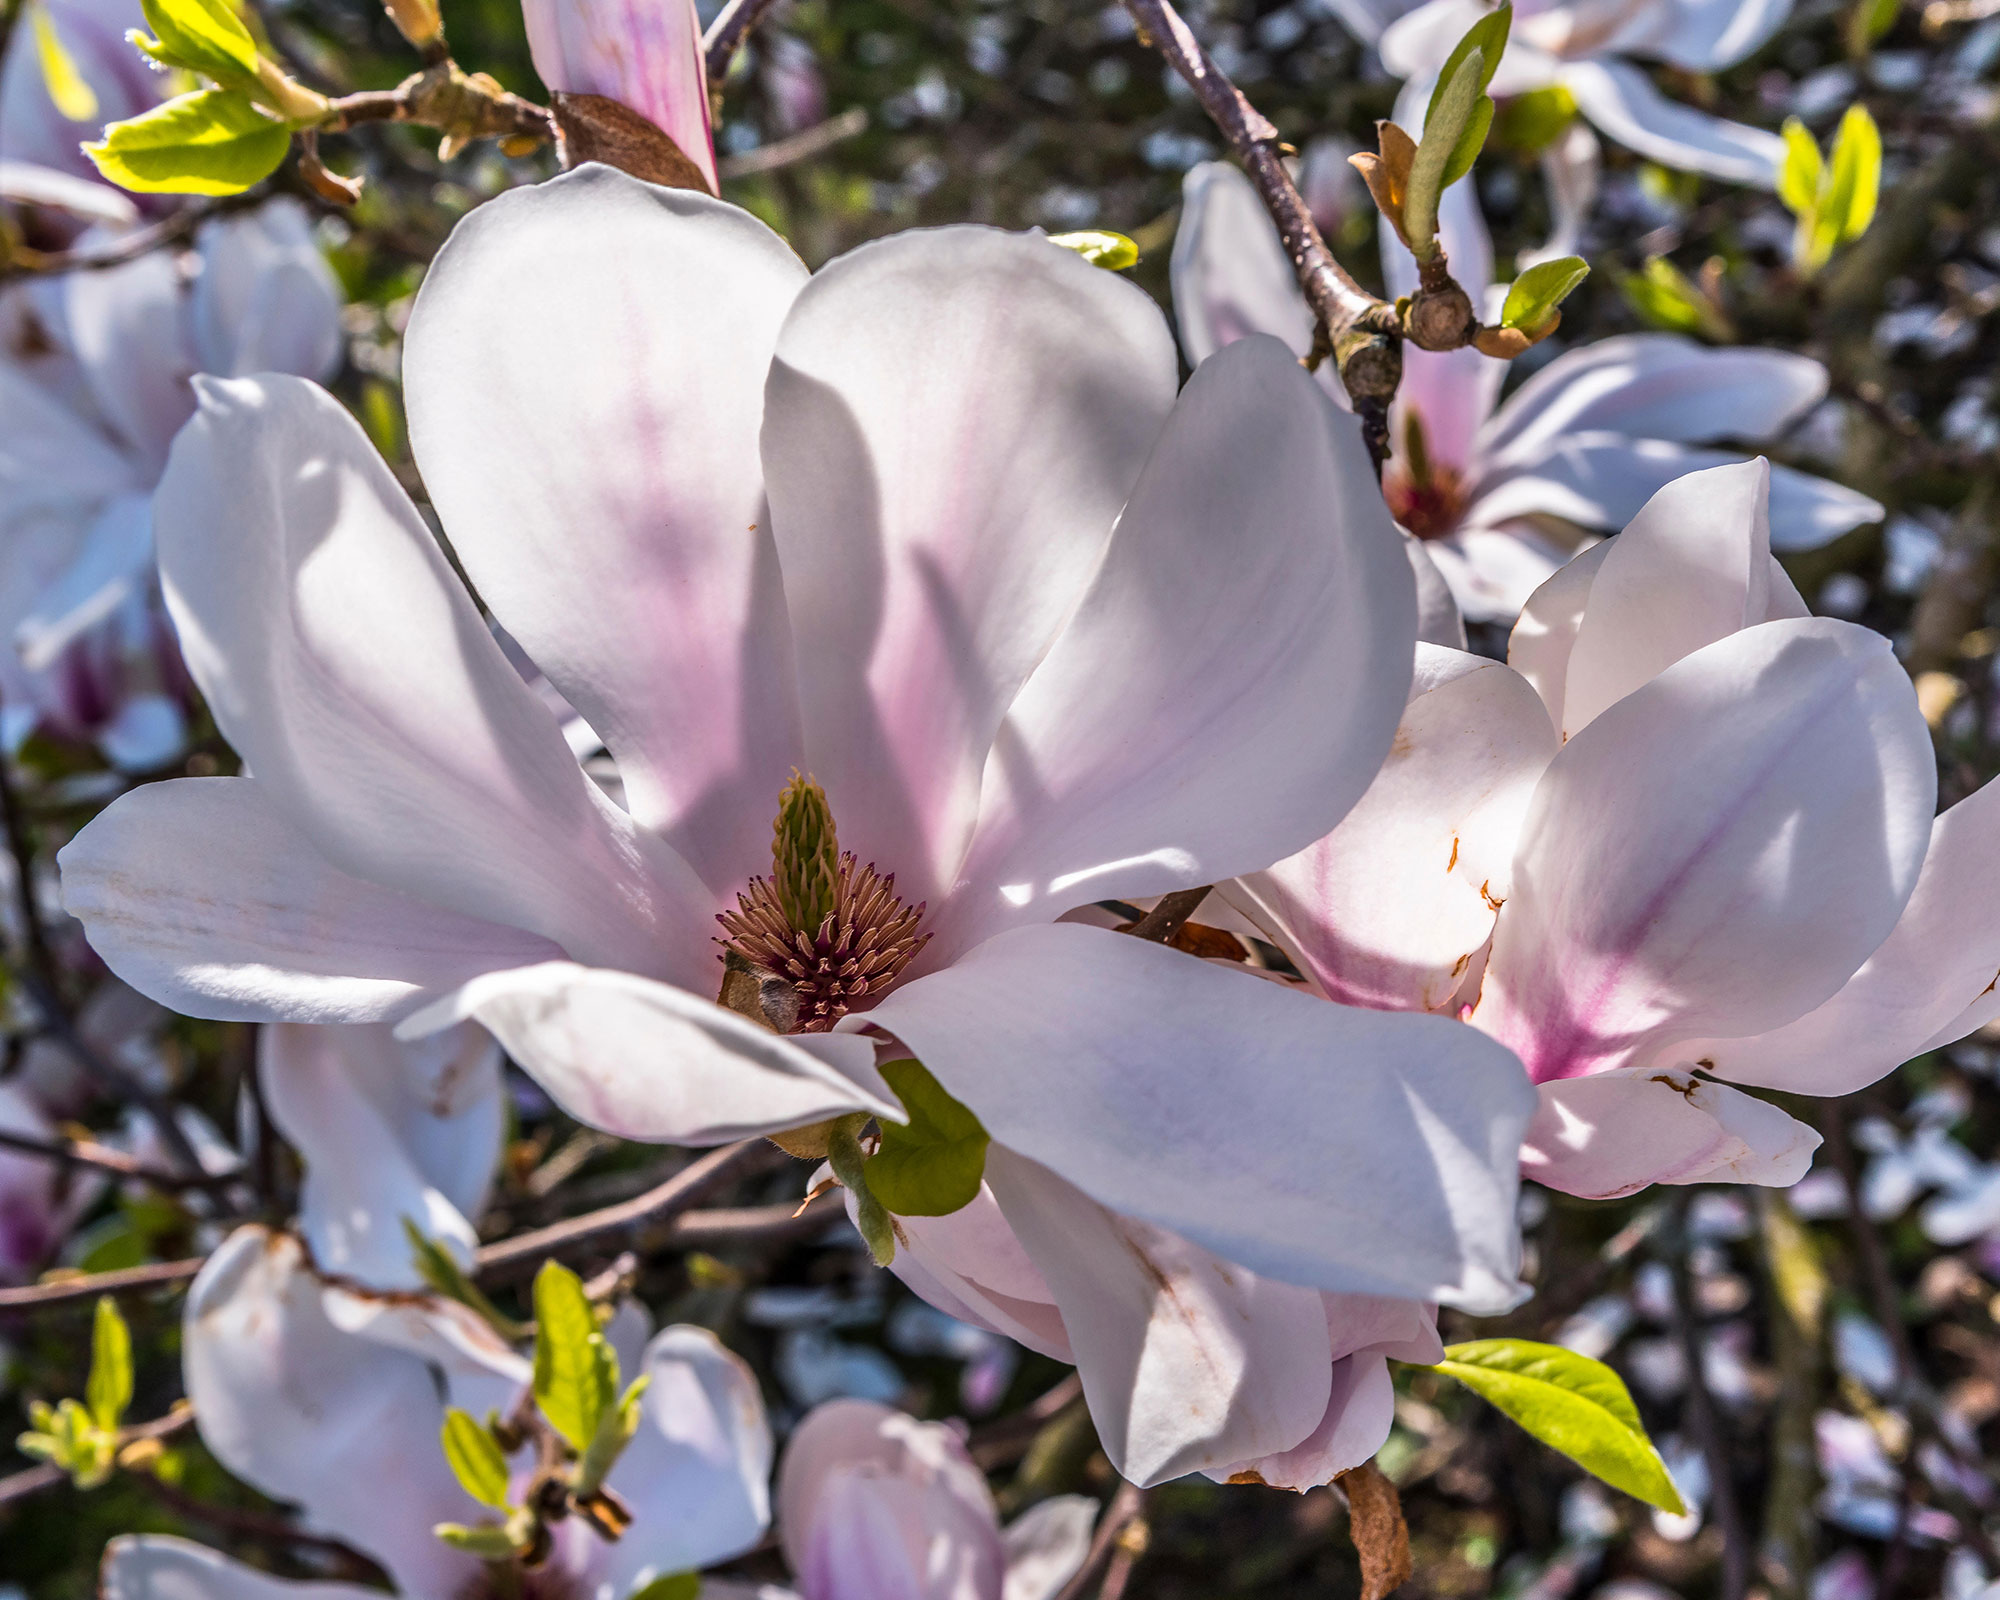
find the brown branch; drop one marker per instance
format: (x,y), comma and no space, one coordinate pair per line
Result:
(799,147)
(1359,330)
(77,1154)
(444,96)
(727,33)
(88,1286)
(181,226)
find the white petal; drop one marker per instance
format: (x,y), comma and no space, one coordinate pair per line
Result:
(1390,908)
(1673,882)
(1231,679)
(1438,618)
(196,892)
(266,300)
(645,1060)
(351,671)
(1708,35)
(593,455)
(28,183)
(1570,174)
(1543,637)
(1625,107)
(1230,274)
(113,565)
(1359,1411)
(970,1266)
(954,418)
(157,1566)
(1046,1546)
(1493,571)
(1612,1134)
(127,327)
(388,1130)
(1344,1149)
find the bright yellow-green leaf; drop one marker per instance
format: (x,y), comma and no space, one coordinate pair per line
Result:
(1455,114)
(72,95)
(1533,297)
(615,1430)
(108,1390)
(1112,251)
(1571,1403)
(489,1542)
(205,36)
(1489,37)
(1855,180)
(213,141)
(435,1264)
(932,1166)
(1868,22)
(475,1458)
(1801,173)
(1664,298)
(677,1586)
(576,1371)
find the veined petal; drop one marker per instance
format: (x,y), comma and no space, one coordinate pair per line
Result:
(955,417)
(1389,909)
(593,455)
(1624,106)
(645,1060)
(1314,1143)
(352,672)
(198,893)
(158,1566)
(1230,275)
(1232,677)
(1672,878)
(970,1266)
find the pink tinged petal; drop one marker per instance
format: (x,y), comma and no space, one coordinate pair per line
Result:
(648,1061)
(954,419)
(596,466)
(1492,571)
(1613,1134)
(1695,566)
(970,1266)
(354,675)
(1673,879)
(1625,107)
(157,1566)
(697,1473)
(1231,277)
(1232,678)
(197,892)
(1545,633)
(875,1505)
(1359,1411)
(1933,980)
(1389,909)
(1402,1330)
(265,301)
(1187,1361)
(342,1426)
(1046,1546)
(1655,386)
(1318,1144)
(645,54)
(389,1131)
(128,329)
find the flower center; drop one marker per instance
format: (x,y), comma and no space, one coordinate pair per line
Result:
(832,930)
(1425,496)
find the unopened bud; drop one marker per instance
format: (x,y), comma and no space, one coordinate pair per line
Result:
(419,21)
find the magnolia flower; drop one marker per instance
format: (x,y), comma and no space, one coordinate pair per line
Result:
(934,528)
(39,1201)
(1683,841)
(875,1505)
(1502,494)
(1581,47)
(41,149)
(331,1396)
(93,385)
(646,56)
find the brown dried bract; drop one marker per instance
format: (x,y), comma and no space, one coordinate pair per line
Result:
(1381,1538)
(1388,174)
(597,129)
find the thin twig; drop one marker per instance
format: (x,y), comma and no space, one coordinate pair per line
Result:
(1125,1507)
(19,1485)
(802,146)
(159,235)
(1703,1421)
(77,1154)
(89,1285)
(727,33)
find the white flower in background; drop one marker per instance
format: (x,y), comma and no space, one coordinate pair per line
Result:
(39,1201)
(875,1505)
(1502,494)
(94,383)
(893,567)
(331,1396)
(42,163)
(1587,47)
(647,57)
(1683,841)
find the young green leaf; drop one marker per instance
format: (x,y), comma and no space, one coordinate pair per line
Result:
(1801,173)
(1571,1403)
(1111,251)
(1663,297)
(205,36)
(1455,116)
(436,1265)
(1533,297)
(213,141)
(475,1458)
(489,1541)
(1855,176)
(615,1430)
(932,1166)
(108,1390)
(68,90)
(673,1586)
(576,1371)
(1489,37)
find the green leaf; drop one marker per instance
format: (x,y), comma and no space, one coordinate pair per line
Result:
(1489,37)
(109,1388)
(489,1541)
(1111,251)
(932,1166)
(1470,142)
(1662,296)
(1571,1403)
(675,1586)
(615,1430)
(1452,119)
(1533,297)
(1856,177)
(213,141)
(71,94)
(576,1371)
(1868,22)
(437,1266)
(475,1458)
(1801,172)
(205,36)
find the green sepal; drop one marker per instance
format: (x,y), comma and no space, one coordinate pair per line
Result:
(576,1370)
(1533,297)
(672,1586)
(213,141)
(475,1457)
(1101,248)
(108,1390)
(932,1165)
(850,1166)
(1572,1404)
